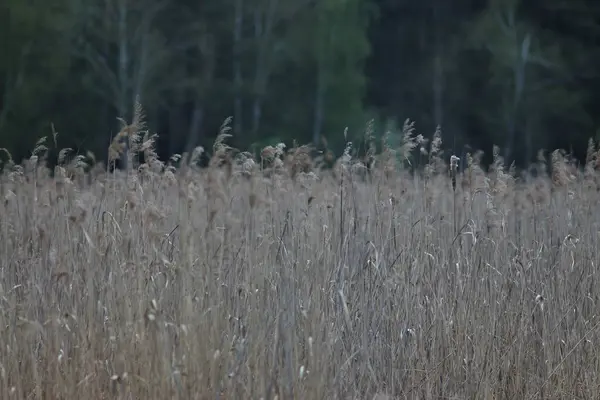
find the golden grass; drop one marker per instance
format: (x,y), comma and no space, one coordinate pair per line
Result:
(276,279)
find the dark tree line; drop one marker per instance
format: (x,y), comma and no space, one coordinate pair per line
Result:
(519,74)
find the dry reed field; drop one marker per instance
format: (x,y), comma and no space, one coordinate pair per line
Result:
(273,278)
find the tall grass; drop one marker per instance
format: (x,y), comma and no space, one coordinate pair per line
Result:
(273,278)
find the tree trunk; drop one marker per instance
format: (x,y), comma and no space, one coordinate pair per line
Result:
(122,102)
(237,66)
(319,103)
(262,35)
(438,70)
(195,132)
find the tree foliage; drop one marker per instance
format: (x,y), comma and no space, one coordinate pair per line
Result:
(520,74)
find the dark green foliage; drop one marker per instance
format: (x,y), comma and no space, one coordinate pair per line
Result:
(520,74)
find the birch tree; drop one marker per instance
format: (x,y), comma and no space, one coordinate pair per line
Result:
(270,21)
(125,53)
(340,49)
(238,26)
(197,49)
(523,66)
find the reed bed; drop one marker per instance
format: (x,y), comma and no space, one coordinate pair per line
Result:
(271,277)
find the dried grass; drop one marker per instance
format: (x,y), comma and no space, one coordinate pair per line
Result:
(278,279)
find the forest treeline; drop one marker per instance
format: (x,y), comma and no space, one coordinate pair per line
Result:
(521,74)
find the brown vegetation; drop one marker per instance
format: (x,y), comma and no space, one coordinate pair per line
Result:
(277,279)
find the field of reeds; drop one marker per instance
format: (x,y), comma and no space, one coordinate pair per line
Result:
(270,277)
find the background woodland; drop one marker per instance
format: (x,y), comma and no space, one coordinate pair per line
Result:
(518,74)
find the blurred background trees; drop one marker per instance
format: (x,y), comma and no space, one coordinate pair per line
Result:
(519,74)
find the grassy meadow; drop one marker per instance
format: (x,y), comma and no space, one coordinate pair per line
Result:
(272,278)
